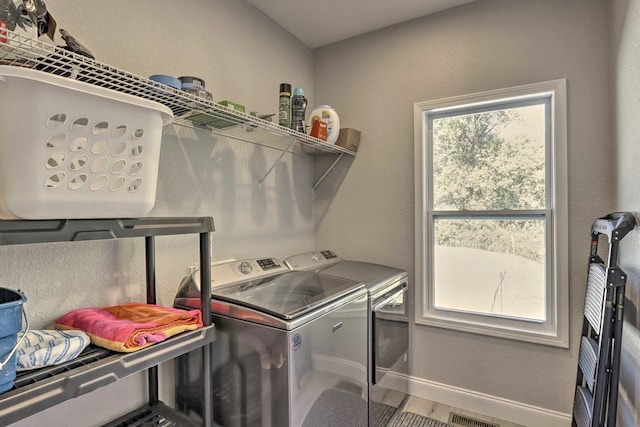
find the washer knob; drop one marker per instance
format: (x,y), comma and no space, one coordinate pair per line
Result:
(315,257)
(245,267)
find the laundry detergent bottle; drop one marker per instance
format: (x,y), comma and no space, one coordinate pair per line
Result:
(327,114)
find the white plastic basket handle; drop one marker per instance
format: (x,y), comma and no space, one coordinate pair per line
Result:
(15,347)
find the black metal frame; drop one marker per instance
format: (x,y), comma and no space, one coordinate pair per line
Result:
(25,401)
(615,227)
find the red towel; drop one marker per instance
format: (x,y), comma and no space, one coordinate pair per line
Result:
(130,327)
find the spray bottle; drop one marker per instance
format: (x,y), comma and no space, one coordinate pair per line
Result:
(284,107)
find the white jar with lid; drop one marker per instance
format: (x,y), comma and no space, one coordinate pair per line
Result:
(327,114)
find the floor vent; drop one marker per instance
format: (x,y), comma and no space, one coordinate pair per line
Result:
(464,421)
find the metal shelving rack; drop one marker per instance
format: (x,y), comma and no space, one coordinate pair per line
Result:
(189,110)
(40,389)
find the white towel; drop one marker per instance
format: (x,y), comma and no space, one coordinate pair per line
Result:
(41,348)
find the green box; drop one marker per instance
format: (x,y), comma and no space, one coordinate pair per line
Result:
(232,105)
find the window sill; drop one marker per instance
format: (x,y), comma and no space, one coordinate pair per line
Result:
(549,338)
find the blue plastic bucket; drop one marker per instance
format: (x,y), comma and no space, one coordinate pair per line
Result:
(11,311)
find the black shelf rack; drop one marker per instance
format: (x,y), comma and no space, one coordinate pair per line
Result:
(95,368)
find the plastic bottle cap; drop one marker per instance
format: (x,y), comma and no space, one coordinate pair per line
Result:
(285,87)
(298,91)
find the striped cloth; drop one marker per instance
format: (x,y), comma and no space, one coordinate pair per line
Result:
(41,348)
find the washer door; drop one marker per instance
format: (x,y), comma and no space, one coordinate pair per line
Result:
(288,295)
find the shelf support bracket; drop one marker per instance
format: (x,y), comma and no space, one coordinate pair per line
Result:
(324,175)
(286,150)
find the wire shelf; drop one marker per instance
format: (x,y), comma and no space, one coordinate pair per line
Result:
(189,110)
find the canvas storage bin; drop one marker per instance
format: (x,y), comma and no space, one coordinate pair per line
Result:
(69,149)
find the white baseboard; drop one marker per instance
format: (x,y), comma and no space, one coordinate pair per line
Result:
(492,406)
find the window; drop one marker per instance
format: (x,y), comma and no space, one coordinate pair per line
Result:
(491,213)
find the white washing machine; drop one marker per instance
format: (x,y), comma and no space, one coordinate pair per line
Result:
(387,325)
(290,348)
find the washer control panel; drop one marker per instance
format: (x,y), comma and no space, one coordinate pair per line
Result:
(312,260)
(244,270)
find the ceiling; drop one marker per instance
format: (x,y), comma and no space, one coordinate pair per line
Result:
(318,23)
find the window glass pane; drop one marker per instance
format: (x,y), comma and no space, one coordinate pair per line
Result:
(490,160)
(490,266)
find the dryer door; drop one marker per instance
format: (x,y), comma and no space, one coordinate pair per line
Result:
(390,326)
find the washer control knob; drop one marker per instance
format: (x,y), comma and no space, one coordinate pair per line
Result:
(315,257)
(245,267)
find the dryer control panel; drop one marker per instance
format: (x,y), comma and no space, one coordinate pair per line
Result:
(314,260)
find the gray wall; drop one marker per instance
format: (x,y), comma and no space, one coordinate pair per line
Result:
(365,209)
(373,82)
(625,81)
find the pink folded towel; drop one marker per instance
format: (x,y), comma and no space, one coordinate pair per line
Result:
(130,327)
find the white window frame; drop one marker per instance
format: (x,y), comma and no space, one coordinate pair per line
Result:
(554,331)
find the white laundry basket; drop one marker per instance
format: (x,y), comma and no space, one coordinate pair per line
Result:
(73,150)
